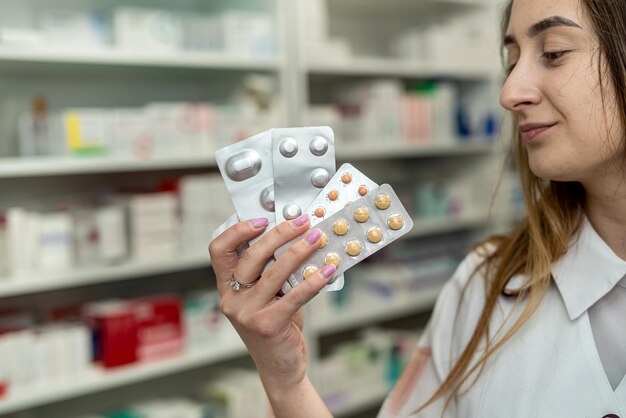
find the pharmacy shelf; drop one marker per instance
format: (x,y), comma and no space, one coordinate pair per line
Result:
(374,310)
(392,67)
(357,401)
(426,227)
(384,149)
(121,58)
(59,166)
(102,380)
(367,10)
(15,286)
(56,166)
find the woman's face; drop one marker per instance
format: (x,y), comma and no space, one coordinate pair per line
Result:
(554,92)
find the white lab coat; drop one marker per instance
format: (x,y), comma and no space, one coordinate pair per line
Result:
(550,368)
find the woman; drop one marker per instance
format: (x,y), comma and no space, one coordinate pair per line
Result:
(531,323)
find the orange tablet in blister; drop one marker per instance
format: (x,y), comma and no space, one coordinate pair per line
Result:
(362,214)
(346,178)
(341,227)
(353,248)
(382,201)
(363,190)
(320,212)
(332,258)
(375,235)
(308,271)
(333,195)
(395,222)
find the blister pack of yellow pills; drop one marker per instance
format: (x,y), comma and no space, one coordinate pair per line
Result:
(354,233)
(347,185)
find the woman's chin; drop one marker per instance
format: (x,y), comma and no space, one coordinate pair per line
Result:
(550,172)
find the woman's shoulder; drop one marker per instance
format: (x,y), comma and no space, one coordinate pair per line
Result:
(471,274)
(461,302)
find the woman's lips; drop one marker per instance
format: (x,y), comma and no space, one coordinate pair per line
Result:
(531,131)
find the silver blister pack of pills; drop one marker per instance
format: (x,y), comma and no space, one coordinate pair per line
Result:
(247,170)
(304,162)
(355,232)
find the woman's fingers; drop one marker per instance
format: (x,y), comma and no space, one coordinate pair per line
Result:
(275,276)
(223,249)
(255,258)
(293,301)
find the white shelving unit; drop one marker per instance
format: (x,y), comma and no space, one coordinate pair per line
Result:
(423,228)
(113,57)
(43,70)
(384,151)
(57,166)
(102,380)
(15,286)
(295,73)
(385,67)
(374,311)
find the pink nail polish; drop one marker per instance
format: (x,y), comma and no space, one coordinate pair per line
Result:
(259,222)
(313,236)
(301,220)
(328,270)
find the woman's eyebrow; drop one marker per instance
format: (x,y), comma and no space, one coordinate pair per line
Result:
(550,22)
(541,26)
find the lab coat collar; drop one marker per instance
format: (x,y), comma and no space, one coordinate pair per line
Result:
(587,272)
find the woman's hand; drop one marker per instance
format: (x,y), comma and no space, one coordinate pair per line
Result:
(271,327)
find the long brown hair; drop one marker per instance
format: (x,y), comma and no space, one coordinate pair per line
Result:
(554,214)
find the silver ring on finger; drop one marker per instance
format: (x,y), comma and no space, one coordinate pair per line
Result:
(236,286)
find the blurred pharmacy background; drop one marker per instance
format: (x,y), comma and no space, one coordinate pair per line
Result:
(110,113)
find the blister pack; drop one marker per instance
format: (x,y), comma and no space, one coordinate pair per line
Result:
(355,232)
(304,162)
(347,185)
(247,170)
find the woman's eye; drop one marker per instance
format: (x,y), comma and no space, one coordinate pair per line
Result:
(553,55)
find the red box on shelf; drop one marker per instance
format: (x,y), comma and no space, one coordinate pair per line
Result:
(114,332)
(160,329)
(4,388)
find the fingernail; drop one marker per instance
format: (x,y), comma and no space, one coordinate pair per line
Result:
(313,236)
(301,220)
(328,271)
(259,222)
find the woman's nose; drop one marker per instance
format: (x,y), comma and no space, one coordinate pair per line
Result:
(520,89)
